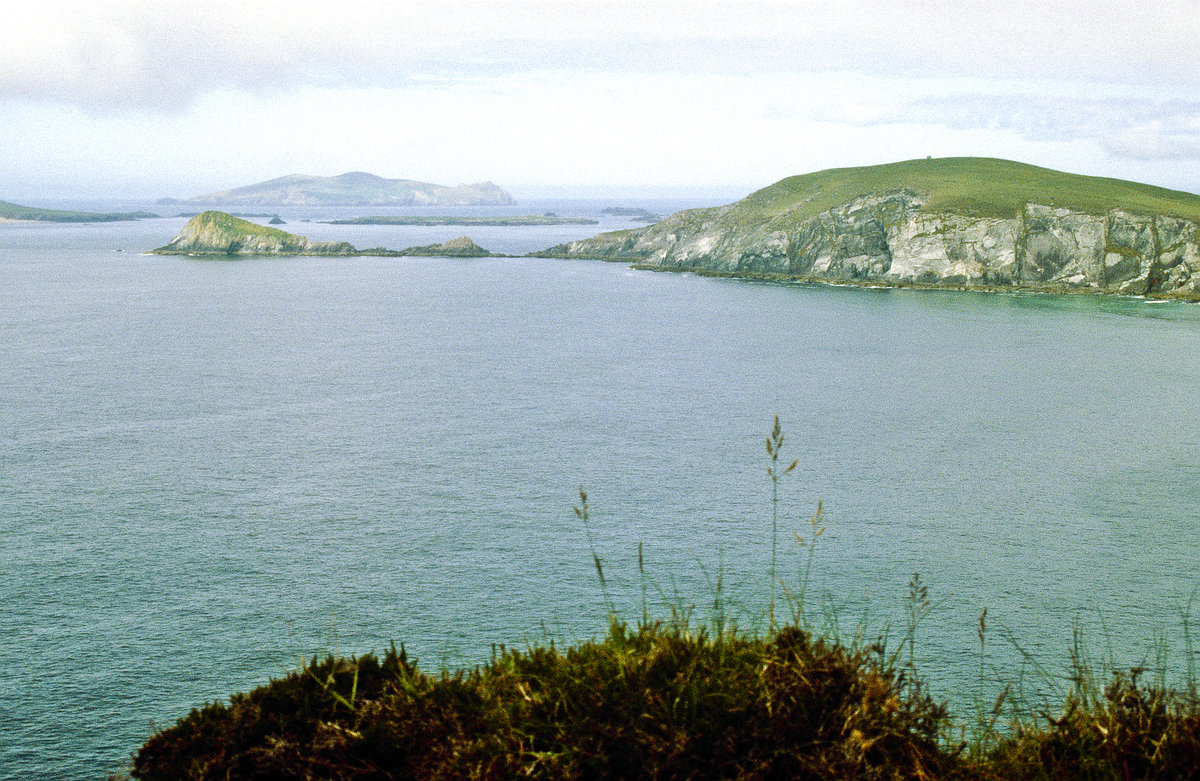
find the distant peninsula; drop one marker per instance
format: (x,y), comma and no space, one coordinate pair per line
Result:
(217,234)
(354,189)
(964,222)
(634,213)
(12,211)
(498,221)
(243,215)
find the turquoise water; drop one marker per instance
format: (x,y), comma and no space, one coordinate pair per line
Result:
(211,470)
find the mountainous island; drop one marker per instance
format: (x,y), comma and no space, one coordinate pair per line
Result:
(217,234)
(354,189)
(12,211)
(948,222)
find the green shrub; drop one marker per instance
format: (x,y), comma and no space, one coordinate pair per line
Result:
(661,701)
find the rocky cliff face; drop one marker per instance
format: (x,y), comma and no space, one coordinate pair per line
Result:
(218,233)
(890,239)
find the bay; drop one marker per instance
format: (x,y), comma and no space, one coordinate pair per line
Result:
(211,470)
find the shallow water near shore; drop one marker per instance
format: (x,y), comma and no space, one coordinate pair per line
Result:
(210,470)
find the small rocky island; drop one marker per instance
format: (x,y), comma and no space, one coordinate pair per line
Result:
(977,223)
(217,234)
(462,247)
(633,213)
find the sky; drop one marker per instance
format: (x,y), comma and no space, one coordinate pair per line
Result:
(557,98)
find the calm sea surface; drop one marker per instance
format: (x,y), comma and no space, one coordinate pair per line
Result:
(210,470)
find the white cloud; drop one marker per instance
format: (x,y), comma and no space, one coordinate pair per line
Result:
(141,53)
(1136,127)
(208,95)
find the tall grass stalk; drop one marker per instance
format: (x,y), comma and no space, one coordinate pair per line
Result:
(774,444)
(1190,649)
(642,572)
(816,526)
(583,513)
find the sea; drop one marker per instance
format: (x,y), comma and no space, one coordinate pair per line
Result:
(213,470)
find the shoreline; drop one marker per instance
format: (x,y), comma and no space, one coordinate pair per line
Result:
(886,284)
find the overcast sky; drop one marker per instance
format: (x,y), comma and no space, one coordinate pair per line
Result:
(144,99)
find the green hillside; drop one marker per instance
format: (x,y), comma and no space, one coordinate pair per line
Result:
(978,186)
(218,233)
(227,226)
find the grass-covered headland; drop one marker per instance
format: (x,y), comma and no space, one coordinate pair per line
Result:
(673,698)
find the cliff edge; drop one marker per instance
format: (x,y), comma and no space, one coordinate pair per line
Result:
(949,222)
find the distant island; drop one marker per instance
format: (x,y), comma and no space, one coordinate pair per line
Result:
(499,221)
(353,189)
(964,222)
(12,211)
(243,215)
(217,234)
(633,213)
(462,247)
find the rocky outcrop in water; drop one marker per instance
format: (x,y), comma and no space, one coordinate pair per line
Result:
(893,238)
(462,247)
(218,233)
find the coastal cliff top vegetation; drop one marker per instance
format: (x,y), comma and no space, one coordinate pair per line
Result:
(665,700)
(978,186)
(671,698)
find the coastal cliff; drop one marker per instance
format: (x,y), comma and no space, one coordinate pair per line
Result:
(954,222)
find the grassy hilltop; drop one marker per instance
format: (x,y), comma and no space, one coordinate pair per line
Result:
(977,186)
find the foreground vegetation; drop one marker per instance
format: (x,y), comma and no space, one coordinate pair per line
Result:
(674,699)
(660,701)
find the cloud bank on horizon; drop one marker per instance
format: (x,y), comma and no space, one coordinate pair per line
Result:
(608,94)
